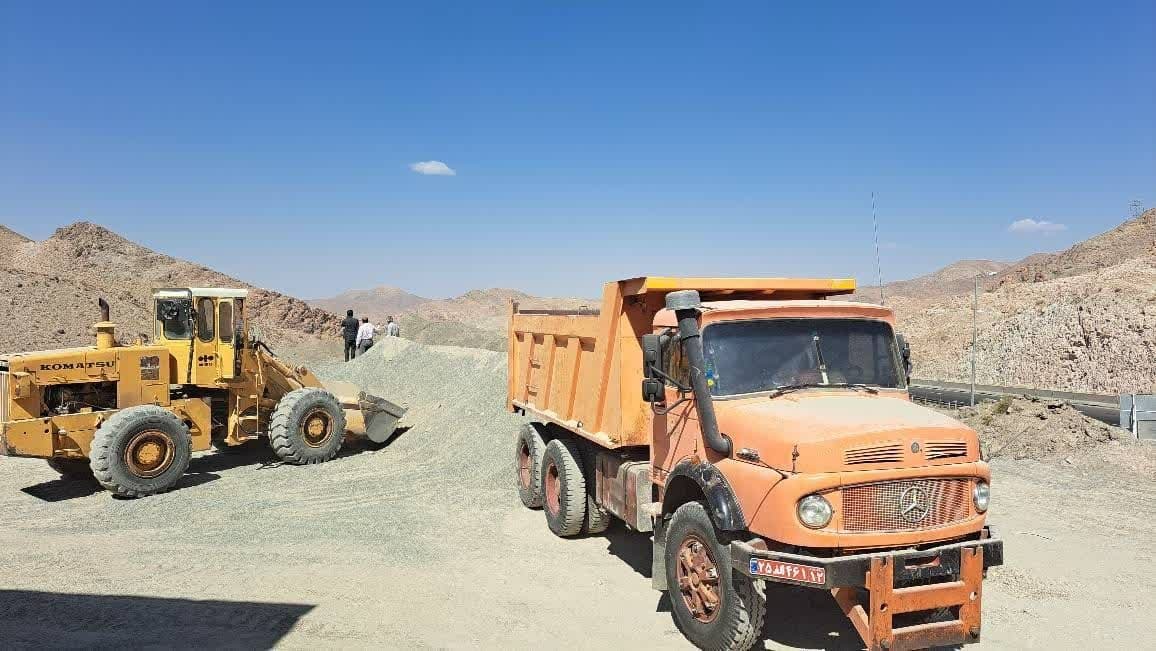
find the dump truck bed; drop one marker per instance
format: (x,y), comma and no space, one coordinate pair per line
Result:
(582,369)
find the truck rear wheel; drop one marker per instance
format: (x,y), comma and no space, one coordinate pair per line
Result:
(71,468)
(307,426)
(140,451)
(529,449)
(715,607)
(564,488)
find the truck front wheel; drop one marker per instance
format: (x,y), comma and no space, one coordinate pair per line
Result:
(564,488)
(715,607)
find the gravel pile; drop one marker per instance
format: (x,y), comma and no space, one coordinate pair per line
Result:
(1029,428)
(458,424)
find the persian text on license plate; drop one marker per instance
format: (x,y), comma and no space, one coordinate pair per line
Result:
(788,571)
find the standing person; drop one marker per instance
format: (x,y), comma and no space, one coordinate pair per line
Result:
(365,336)
(349,327)
(391,328)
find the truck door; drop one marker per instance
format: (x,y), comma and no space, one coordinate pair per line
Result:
(675,432)
(226,338)
(205,347)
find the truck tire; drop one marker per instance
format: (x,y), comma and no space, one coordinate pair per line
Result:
(715,607)
(563,488)
(598,518)
(71,468)
(529,449)
(140,451)
(307,426)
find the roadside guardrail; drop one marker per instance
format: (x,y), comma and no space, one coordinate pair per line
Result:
(1103,407)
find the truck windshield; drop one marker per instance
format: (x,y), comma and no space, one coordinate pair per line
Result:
(763,355)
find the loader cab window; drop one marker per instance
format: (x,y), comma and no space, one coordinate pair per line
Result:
(239,322)
(175,318)
(225,322)
(206,314)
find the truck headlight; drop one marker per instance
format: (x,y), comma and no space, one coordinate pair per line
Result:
(814,511)
(981,494)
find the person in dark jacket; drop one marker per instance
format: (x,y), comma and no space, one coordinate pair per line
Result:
(349,328)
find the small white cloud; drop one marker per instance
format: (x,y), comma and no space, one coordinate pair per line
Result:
(432,168)
(1036,226)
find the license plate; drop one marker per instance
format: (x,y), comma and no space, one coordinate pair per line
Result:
(788,571)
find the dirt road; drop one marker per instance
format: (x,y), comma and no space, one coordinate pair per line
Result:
(423,543)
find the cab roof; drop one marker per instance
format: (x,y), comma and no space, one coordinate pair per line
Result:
(748,308)
(742,288)
(186,292)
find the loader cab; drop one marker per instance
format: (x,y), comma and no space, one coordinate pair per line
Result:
(204,330)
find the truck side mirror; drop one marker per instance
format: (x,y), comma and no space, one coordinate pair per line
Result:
(653,390)
(905,353)
(651,355)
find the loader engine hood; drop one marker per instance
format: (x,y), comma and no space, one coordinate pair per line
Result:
(827,431)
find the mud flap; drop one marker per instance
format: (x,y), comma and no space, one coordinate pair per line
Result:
(658,558)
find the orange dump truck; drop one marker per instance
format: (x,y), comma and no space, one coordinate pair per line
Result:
(763,433)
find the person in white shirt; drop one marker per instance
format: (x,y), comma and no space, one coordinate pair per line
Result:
(391,328)
(365,336)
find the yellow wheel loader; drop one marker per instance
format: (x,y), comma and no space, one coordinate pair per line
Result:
(132,415)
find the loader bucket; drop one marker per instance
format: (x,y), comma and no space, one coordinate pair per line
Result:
(365,414)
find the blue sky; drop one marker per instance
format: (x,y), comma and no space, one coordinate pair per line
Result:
(590,140)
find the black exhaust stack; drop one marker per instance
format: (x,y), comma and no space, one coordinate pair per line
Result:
(103,309)
(686,305)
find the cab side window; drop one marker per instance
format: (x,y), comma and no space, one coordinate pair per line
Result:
(225,322)
(206,315)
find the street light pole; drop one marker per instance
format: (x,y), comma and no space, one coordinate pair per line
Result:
(975,329)
(974,334)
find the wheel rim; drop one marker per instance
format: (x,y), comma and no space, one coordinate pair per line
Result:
(524,465)
(698,579)
(316,428)
(553,489)
(149,453)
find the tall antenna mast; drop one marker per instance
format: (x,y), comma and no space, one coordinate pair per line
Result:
(878,264)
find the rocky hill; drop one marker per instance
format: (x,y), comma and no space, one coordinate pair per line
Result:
(50,289)
(376,303)
(475,319)
(1081,320)
(956,278)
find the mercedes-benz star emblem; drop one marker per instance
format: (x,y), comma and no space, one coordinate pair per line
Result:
(914,504)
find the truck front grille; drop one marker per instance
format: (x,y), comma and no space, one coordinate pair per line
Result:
(3,397)
(906,505)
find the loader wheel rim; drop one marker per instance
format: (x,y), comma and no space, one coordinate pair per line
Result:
(524,465)
(316,428)
(149,453)
(553,483)
(698,579)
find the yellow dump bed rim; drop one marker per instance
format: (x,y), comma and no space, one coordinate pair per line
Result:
(723,288)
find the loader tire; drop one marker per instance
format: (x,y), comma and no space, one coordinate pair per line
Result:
(140,451)
(598,518)
(564,488)
(715,607)
(307,426)
(529,449)
(71,468)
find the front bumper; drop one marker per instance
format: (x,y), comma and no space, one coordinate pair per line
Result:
(910,565)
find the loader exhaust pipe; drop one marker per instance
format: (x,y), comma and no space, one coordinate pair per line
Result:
(687,305)
(105,330)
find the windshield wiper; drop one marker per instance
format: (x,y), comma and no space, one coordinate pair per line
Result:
(790,388)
